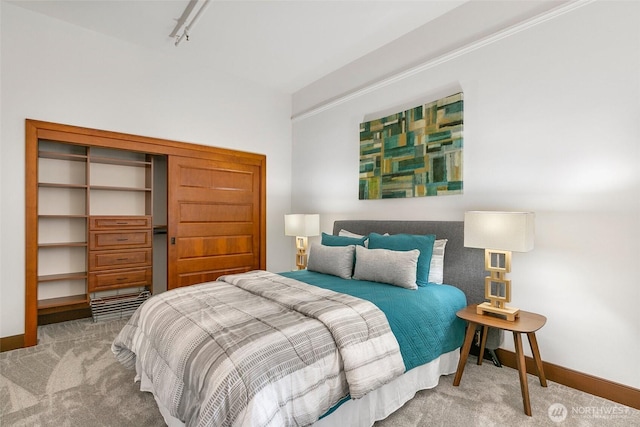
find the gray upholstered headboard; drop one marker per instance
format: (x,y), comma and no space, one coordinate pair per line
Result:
(463,267)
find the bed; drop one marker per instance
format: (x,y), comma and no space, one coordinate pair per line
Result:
(317,346)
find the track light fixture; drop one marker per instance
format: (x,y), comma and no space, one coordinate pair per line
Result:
(186,29)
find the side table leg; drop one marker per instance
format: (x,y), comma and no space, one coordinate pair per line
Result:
(483,342)
(522,370)
(464,353)
(533,342)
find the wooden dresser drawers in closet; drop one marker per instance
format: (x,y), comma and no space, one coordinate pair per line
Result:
(119,252)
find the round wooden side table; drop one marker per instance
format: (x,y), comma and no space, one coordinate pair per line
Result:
(526,323)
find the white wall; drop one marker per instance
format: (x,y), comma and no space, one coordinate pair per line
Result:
(551,126)
(57,72)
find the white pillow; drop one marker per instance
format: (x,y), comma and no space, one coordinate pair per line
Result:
(346,233)
(436,266)
(334,260)
(397,268)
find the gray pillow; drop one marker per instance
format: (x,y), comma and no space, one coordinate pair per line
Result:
(334,260)
(396,268)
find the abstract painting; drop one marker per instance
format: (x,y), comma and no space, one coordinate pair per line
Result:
(413,153)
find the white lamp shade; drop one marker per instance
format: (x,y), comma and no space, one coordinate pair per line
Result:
(506,231)
(302,225)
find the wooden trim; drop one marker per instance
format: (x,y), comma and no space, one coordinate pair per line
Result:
(11,343)
(108,139)
(263,214)
(31,236)
(47,318)
(610,390)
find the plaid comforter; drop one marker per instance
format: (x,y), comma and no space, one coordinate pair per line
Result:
(258,349)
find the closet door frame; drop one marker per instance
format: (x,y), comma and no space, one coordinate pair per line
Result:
(36,130)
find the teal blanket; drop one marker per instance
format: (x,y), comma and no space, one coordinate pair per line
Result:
(423,320)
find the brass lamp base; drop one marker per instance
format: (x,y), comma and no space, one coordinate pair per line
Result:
(511,313)
(497,288)
(301,252)
(301,259)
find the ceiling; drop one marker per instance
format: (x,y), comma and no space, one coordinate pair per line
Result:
(284,45)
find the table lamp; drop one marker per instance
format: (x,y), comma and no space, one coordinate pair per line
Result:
(301,226)
(498,233)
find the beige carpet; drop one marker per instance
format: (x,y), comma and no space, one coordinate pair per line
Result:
(72,379)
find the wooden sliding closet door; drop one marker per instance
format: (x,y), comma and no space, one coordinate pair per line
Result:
(214,219)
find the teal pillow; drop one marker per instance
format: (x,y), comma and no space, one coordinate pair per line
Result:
(331,240)
(407,242)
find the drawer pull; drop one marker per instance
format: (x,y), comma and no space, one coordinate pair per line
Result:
(122,259)
(122,240)
(122,223)
(120,279)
